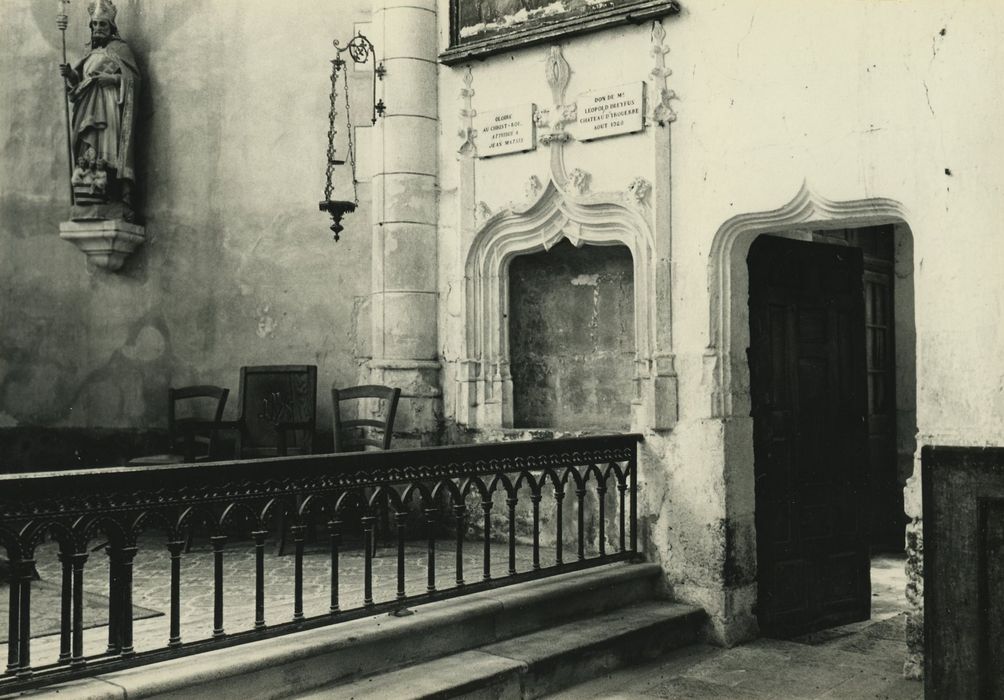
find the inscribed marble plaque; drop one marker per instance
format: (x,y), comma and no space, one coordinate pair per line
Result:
(509,130)
(610,112)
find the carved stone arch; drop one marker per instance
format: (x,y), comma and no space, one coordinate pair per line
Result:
(485,389)
(728,283)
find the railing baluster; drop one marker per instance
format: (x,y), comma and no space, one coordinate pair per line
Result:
(399,520)
(175,547)
(77,659)
(25,571)
(460,513)
(559,535)
(334,531)
(65,606)
(259,578)
(580,494)
(622,513)
(13,618)
(368,521)
(535,499)
(511,502)
(125,570)
(218,542)
(486,506)
(633,466)
(299,534)
(114,600)
(601,494)
(430,529)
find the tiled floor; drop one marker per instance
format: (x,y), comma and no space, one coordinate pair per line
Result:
(854,662)
(151,576)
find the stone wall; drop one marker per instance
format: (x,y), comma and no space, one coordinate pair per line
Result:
(240,267)
(571,346)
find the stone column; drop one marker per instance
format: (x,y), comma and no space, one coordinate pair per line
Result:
(405,212)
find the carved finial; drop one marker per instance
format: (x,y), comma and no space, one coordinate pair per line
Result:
(467,113)
(662,112)
(639,189)
(579,180)
(558,74)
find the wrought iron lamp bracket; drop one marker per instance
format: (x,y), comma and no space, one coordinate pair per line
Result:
(360,50)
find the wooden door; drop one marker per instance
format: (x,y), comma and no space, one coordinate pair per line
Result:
(807,377)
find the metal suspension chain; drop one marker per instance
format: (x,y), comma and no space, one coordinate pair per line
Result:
(348,131)
(332,114)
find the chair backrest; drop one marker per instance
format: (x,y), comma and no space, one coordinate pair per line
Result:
(278,410)
(355,434)
(194,414)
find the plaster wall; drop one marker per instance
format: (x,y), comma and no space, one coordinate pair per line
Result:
(838,102)
(240,267)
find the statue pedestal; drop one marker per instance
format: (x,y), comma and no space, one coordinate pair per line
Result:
(106,243)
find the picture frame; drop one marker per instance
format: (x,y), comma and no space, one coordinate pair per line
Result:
(480,28)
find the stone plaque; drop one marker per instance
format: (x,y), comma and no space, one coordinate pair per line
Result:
(509,130)
(610,112)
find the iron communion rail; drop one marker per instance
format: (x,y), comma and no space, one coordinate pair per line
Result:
(256,498)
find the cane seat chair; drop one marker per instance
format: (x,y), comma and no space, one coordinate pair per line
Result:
(194,420)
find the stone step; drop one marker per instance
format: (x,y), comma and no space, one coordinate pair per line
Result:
(347,651)
(537,663)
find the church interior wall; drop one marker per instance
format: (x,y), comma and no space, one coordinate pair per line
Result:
(773,98)
(240,267)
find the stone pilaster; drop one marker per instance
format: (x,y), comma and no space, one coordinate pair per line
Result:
(405,212)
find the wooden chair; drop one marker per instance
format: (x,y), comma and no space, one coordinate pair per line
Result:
(194,419)
(278,411)
(278,415)
(357,434)
(354,434)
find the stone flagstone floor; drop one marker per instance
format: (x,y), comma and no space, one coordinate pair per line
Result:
(860,661)
(151,587)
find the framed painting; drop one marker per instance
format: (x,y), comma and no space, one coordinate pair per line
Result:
(480,28)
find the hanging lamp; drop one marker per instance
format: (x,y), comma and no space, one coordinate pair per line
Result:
(360,51)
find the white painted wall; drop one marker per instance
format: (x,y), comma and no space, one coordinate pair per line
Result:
(859,100)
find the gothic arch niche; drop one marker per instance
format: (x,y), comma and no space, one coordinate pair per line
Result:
(602,219)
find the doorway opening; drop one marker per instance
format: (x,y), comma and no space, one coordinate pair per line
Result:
(831,397)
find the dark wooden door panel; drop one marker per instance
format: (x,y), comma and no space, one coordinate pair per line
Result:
(808,385)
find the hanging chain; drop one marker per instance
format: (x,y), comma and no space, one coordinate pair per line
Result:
(348,131)
(336,64)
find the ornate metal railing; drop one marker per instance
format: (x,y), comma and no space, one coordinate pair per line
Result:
(407,494)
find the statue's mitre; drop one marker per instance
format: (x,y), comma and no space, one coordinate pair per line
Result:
(102,9)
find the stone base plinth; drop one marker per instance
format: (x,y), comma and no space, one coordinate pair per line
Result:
(106,243)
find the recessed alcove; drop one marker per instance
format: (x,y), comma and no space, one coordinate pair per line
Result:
(571,338)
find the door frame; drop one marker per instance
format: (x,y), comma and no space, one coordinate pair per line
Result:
(726,370)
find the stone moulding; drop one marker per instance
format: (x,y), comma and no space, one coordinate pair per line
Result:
(594,219)
(105,243)
(728,253)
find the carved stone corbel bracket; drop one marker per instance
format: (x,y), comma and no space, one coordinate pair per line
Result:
(105,243)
